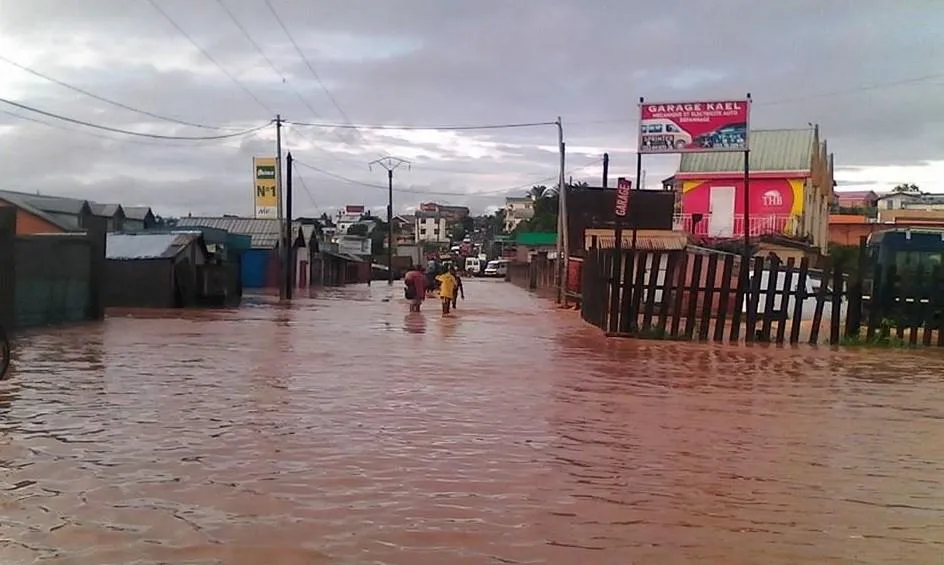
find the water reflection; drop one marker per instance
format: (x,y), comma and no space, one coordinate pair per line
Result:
(510,433)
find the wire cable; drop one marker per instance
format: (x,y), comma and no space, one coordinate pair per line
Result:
(311,68)
(301,179)
(135,133)
(435,193)
(106,100)
(210,58)
(265,57)
(425,128)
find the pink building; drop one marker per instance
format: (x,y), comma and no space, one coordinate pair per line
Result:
(791,188)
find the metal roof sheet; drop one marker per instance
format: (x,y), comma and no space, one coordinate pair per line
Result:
(137,212)
(145,245)
(50,204)
(104,210)
(69,224)
(771,150)
(264,232)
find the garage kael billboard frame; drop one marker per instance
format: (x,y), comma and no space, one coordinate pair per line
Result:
(703,126)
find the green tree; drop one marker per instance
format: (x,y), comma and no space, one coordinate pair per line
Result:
(907,188)
(537,191)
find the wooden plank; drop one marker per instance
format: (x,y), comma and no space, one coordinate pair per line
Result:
(693,289)
(820,303)
(708,300)
(770,297)
(750,333)
(627,323)
(736,316)
(784,306)
(931,308)
(724,297)
(835,317)
(671,268)
(678,293)
(655,265)
(613,274)
(639,282)
(799,299)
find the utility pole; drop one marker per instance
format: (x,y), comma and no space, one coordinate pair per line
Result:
(390,164)
(563,246)
(278,204)
(289,235)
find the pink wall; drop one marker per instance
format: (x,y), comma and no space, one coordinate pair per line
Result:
(768,196)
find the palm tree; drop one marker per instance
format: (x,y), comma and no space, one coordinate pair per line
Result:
(537,191)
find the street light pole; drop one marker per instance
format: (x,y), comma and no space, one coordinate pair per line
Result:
(390,164)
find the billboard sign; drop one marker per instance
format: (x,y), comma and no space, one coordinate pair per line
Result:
(265,188)
(693,127)
(623,186)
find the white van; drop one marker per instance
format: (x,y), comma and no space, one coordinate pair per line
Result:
(496,268)
(473,265)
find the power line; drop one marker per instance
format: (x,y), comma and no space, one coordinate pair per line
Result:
(210,57)
(103,99)
(414,127)
(828,94)
(265,57)
(301,179)
(311,67)
(62,127)
(435,193)
(135,133)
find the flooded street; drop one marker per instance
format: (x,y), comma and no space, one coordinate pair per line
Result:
(344,430)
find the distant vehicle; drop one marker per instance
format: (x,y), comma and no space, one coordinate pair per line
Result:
(474,265)
(496,268)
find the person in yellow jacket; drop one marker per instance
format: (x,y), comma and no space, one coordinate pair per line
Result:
(448,285)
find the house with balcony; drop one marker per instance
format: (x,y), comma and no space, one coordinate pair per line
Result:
(431,228)
(517,209)
(790,191)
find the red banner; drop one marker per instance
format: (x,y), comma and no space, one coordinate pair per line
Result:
(694,127)
(623,186)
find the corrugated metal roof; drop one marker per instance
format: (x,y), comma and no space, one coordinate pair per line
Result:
(104,210)
(145,245)
(137,212)
(50,204)
(537,238)
(264,232)
(70,224)
(771,150)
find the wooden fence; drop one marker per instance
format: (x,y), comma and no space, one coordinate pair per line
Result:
(709,297)
(538,274)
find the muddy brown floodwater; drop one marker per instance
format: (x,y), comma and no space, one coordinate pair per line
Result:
(342,429)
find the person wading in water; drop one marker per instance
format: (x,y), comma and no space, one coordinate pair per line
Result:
(415,287)
(459,291)
(448,286)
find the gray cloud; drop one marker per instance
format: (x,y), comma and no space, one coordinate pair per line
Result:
(445,62)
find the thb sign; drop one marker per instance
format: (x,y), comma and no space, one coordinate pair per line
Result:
(265,183)
(623,186)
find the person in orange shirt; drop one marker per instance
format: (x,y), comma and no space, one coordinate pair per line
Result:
(448,286)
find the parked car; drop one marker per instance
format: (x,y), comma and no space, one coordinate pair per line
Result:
(496,268)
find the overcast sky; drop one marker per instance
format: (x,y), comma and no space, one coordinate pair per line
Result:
(869,72)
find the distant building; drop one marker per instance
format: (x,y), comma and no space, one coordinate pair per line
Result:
(404,229)
(430,227)
(910,200)
(450,213)
(351,215)
(860,199)
(517,210)
(40,213)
